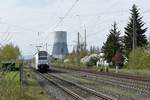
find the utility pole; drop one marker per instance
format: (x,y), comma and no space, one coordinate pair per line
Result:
(78,43)
(78,47)
(61,19)
(38,47)
(85,40)
(38,37)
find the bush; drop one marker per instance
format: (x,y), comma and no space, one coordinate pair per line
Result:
(89,64)
(92,61)
(9,52)
(139,59)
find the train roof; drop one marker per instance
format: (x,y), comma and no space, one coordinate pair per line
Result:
(40,51)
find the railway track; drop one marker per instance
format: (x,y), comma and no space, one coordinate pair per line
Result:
(118,75)
(140,86)
(77,91)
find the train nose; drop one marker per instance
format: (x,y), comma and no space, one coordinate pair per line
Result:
(41,67)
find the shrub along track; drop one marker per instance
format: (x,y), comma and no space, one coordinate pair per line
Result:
(142,87)
(77,91)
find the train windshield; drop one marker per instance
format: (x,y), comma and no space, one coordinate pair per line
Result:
(42,55)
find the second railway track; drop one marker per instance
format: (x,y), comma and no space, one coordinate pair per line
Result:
(141,86)
(77,91)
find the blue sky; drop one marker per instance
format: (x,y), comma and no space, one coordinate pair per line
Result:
(21,20)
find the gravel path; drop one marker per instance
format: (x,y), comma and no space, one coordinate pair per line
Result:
(51,89)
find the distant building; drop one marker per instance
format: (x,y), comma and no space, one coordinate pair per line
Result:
(60,49)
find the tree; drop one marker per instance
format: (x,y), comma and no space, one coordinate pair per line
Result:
(134,28)
(118,59)
(82,52)
(112,44)
(94,49)
(9,52)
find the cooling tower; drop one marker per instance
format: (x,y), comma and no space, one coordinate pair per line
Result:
(60,49)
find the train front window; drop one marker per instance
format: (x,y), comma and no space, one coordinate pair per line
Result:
(42,53)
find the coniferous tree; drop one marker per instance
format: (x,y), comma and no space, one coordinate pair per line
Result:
(135,24)
(112,44)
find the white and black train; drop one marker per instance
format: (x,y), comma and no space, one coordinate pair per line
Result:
(41,61)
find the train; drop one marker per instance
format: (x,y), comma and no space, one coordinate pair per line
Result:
(41,61)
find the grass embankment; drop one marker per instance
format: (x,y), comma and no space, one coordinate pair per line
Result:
(10,86)
(32,90)
(97,69)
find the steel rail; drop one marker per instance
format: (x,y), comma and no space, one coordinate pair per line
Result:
(76,96)
(136,85)
(141,86)
(99,94)
(145,78)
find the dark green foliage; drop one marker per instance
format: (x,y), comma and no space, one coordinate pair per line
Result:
(112,44)
(11,66)
(139,30)
(92,61)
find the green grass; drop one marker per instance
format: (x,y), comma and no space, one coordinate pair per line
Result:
(32,90)
(10,86)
